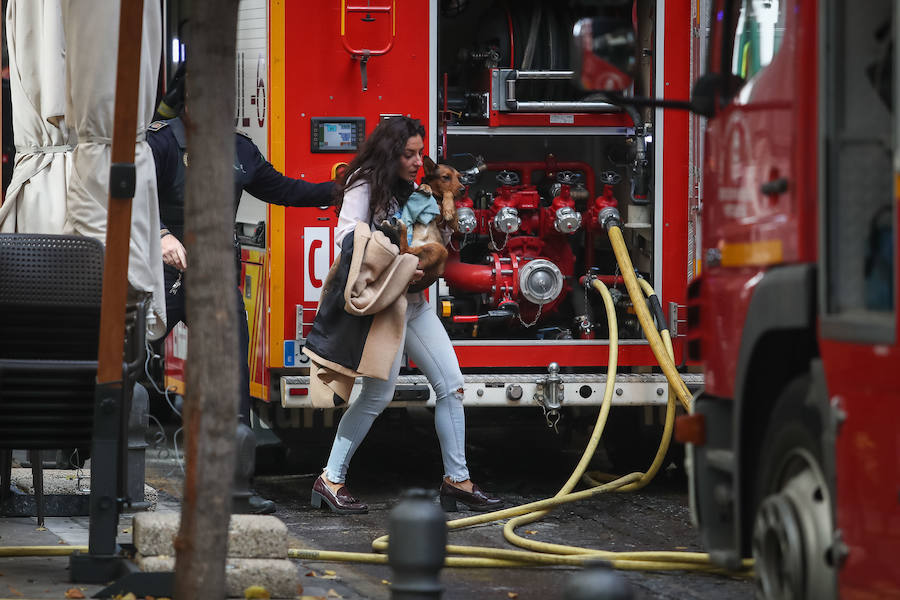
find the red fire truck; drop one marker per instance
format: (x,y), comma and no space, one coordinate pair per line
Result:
(795,450)
(492,82)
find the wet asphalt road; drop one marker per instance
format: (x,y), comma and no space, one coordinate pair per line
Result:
(521,464)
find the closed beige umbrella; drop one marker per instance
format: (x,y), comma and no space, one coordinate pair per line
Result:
(91,32)
(36,196)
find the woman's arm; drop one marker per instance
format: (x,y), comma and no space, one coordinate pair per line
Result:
(354,209)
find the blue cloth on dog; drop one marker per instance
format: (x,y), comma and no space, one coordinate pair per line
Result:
(420,208)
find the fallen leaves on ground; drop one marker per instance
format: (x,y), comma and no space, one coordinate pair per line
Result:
(530,531)
(74,593)
(16,592)
(257,592)
(128,596)
(512,594)
(333,594)
(299,589)
(385,582)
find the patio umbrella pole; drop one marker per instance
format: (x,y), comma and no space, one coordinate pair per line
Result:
(103,563)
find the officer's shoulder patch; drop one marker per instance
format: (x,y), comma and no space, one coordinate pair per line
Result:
(243,133)
(157,125)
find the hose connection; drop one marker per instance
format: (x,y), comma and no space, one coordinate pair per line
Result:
(609,217)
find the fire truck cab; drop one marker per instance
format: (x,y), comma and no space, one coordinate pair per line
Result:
(794,448)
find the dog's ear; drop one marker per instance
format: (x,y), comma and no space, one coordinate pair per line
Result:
(429,166)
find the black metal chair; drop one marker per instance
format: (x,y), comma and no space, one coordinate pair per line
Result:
(50,293)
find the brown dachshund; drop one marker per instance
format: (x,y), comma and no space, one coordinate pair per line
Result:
(442,182)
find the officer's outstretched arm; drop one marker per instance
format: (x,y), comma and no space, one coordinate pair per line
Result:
(270,186)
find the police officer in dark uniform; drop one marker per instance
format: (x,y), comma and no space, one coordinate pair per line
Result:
(259,178)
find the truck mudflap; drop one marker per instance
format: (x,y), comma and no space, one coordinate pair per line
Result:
(494,390)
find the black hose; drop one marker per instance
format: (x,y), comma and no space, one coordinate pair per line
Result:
(531,44)
(658,314)
(640,188)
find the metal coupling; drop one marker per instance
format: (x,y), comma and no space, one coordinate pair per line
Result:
(568,220)
(549,391)
(465,217)
(609,217)
(480,167)
(584,325)
(507,220)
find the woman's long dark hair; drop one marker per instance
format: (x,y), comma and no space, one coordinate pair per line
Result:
(377,161)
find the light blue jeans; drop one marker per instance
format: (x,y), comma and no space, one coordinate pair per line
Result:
(427,344)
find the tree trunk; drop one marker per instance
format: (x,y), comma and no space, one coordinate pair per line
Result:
(212,380)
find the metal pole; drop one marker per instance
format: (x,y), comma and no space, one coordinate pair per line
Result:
(598,581)
(418,541)
(109,393)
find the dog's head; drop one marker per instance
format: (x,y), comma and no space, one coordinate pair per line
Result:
(442,178)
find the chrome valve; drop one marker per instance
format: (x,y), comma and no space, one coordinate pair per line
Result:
(568,220)
(507,220)
(466,221)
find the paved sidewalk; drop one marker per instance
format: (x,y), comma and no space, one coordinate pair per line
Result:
(39,577)
(34,578)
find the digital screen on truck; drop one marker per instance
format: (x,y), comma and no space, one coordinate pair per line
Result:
(337,135)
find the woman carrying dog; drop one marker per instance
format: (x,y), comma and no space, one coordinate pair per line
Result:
(373,188)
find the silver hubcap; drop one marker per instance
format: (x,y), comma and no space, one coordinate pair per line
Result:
(793,533)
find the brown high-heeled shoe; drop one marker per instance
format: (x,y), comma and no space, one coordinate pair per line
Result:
(342,502)
(475,500)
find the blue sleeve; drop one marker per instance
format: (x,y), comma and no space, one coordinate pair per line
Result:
(165,157)
(270,186)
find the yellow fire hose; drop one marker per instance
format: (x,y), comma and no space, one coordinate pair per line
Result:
(645,319)
(542,553)
(40,550)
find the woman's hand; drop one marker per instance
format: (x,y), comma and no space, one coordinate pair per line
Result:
(173,253)
(416,276)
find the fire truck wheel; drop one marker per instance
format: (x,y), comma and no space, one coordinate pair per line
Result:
(792,529)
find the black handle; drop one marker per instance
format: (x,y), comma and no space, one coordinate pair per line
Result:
(774,187)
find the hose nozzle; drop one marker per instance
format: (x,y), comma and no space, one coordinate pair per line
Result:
(480,167)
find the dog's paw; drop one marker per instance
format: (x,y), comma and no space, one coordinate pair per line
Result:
(391,231)
(425,189)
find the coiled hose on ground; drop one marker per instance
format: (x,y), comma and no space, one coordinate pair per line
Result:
(537,553)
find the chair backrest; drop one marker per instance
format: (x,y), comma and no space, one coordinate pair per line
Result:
(50,291)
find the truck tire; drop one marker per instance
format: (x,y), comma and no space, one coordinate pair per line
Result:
(792,527)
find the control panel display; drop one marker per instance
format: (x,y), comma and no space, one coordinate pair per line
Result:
(337,134)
